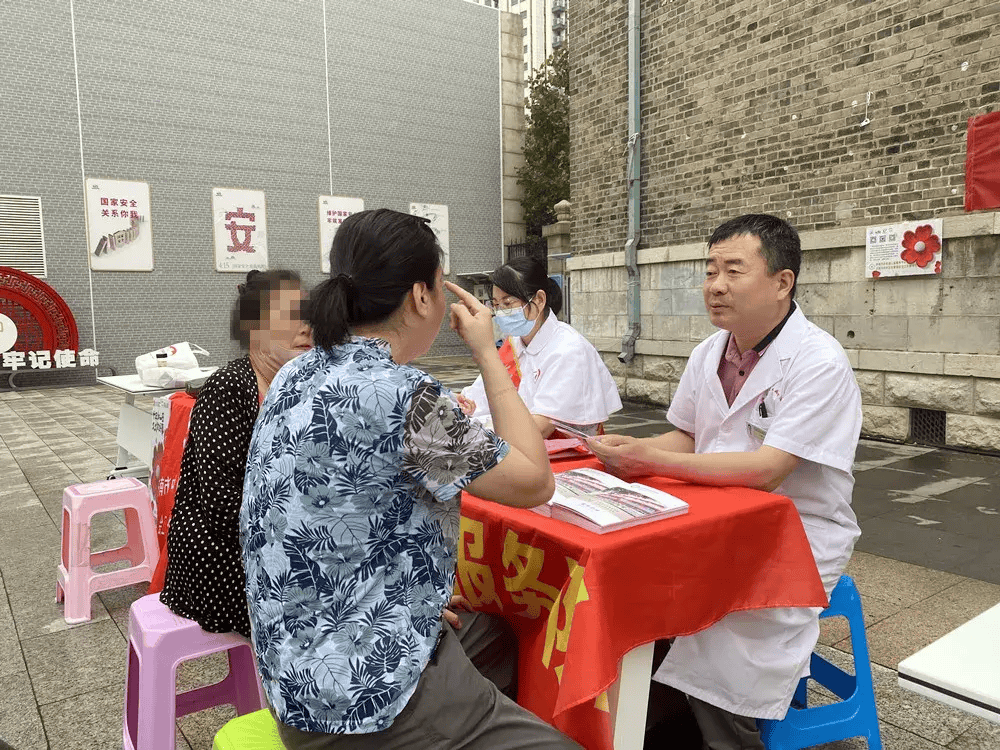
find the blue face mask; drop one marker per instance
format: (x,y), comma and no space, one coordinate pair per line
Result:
(513,322)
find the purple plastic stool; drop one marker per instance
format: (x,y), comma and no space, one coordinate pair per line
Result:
(77,580)
(159,640)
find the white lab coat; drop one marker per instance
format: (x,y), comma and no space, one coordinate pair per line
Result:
(750,662)
(562,377)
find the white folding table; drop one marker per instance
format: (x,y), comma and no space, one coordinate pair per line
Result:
(628,696)
(962,668)
(135,426)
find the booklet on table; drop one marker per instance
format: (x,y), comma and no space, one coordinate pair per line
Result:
(566,448)
(599,502)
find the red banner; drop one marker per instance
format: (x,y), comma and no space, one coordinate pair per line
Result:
(164,475)
(982,163)
(580,601)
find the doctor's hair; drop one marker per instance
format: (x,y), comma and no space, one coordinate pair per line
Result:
(524,277)
(375,259)
(254,302)
(779,242)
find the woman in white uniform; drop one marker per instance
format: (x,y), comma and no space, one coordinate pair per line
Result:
(558,373)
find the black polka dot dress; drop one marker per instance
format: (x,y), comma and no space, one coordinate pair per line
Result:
(205,580)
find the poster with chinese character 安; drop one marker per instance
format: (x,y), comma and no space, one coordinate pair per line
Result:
(333,209)
(913,248)
(119,232)
(438,216)
(240,223)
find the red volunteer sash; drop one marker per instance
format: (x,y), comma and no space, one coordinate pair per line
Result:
(509,359)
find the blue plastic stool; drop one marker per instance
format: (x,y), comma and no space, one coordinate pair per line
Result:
(854,715)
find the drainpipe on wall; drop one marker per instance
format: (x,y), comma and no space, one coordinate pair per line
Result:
(632,171)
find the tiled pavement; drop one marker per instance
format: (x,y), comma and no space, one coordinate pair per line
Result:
(927,561)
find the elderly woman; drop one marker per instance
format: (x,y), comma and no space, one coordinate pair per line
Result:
(558,373)
(204,577)
(351,511)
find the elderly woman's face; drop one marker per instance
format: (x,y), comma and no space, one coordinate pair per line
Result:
(284,325)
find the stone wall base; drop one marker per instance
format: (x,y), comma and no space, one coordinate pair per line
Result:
(886,400)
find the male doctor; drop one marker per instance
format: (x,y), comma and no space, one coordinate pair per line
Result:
(768,402)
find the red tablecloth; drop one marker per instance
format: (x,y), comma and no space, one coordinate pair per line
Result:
(580,601)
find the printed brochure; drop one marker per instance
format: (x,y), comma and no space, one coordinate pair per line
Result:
(600,502)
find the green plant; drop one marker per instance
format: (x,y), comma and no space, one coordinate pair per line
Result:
(544,178)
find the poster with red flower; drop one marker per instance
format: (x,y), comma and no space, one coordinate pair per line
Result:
(913,248)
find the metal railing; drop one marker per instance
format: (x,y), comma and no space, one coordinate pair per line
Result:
(537,247)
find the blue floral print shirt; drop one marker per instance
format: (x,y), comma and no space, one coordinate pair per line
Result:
(349,528)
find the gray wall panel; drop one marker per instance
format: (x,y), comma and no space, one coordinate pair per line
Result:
(190,95)
(40,142)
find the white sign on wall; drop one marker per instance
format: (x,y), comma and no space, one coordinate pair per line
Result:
(438,216)
(333,209)
(240,222)
(119,232)
(909,249)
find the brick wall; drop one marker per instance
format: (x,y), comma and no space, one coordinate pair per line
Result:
(188,96)
(752,106)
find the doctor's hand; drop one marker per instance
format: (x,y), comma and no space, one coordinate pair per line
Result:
(467,405)
(451,615)
(613,441)
(621,455)
(472,320)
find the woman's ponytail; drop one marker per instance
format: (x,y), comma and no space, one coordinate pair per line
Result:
(553,296)
(331,311)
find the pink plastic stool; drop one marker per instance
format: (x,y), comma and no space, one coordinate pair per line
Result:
(77,580)
(159,640)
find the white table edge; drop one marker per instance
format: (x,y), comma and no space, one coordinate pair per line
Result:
(124,383)
(970,644)
(948,697)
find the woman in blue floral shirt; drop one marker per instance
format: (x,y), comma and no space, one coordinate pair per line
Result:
(350,516)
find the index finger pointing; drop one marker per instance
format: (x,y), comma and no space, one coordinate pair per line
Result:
(461,311)
(459,292)
(472,304)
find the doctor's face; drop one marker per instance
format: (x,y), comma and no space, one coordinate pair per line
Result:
(740,295)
